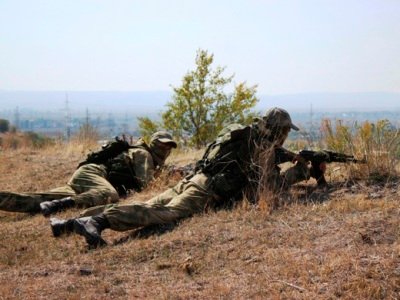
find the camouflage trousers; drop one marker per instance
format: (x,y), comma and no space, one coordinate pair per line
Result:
(188,197)
(88,187)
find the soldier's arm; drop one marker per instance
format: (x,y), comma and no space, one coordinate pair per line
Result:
(143,165)
(284,155)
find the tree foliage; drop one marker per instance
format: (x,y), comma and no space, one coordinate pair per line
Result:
(147,127)
(200,107)
(4,125)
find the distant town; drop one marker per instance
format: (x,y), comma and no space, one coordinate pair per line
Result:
(109,125)
(61,114)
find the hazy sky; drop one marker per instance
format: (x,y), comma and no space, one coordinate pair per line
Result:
(283,46)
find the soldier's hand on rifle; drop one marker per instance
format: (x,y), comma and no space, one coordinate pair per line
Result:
(322,166)
(300,159)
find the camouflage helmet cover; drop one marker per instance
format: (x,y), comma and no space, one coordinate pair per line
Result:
(278,117)
(163,137)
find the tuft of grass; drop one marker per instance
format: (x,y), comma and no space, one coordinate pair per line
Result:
(378,143)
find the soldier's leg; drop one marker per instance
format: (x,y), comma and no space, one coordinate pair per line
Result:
(166,196)
(30,202)
(162,198)
(92,211)
(192,199)
(62,190)
(91,189)
(91,186)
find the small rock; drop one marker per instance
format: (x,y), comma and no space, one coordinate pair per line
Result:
(85,271)
(374,195)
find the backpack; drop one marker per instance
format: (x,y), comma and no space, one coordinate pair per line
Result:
(120,170)
(107,152)
(121,174)
(227,160)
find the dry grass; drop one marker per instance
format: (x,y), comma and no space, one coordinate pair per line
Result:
(378,143)
(342,242)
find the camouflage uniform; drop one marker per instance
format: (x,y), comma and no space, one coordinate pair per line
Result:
(240,160)
(188,197)
(88,186)
(197,192)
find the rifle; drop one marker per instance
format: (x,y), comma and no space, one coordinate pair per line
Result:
(315,158)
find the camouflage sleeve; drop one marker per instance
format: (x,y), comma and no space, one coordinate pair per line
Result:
(143,165)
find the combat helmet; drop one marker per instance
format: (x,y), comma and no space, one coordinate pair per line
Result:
(163,137)
(278,117)
(161,143)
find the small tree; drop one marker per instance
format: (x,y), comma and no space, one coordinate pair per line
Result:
(236,108)
(4,125)
(147,127)
(200,106)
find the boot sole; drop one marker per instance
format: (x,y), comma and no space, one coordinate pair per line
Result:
(92,240)
(44,210)
(58,229)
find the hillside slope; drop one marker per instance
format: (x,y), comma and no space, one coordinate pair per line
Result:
(343,242)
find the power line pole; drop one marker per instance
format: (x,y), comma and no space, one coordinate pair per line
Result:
(311,116)
(16,118)
(67,119)
(87,119)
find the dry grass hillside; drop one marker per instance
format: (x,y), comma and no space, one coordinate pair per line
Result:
(340,242)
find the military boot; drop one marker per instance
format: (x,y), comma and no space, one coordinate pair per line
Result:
(50,207)
(59,227)
(91,228)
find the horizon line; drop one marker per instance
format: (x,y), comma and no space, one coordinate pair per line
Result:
(167,91)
